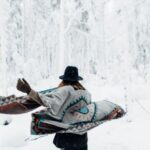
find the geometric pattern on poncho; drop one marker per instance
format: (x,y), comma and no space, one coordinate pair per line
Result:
(100,110)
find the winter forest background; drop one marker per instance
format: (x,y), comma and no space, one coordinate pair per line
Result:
(108,40)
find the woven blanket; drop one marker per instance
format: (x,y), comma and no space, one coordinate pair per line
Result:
(18,105)
(82,120)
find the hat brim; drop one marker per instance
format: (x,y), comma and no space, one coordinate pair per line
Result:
(69,79)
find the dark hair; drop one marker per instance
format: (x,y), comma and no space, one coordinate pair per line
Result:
(75,84)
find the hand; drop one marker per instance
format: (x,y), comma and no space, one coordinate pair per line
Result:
(114,113)
(23,86)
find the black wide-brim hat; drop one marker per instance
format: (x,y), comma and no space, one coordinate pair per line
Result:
(71,74)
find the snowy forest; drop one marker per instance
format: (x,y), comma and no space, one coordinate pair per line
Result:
(104,38)
(108,40)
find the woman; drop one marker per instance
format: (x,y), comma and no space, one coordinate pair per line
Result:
(68,90)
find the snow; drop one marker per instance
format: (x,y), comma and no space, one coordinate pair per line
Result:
(105,38)
(108,40)
(128,133)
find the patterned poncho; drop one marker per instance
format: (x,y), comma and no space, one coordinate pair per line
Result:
(71,111)
(66,110)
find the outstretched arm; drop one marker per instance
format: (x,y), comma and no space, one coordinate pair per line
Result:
(23,86)
(53,100)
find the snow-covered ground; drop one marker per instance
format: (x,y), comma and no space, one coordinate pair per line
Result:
(132,132)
